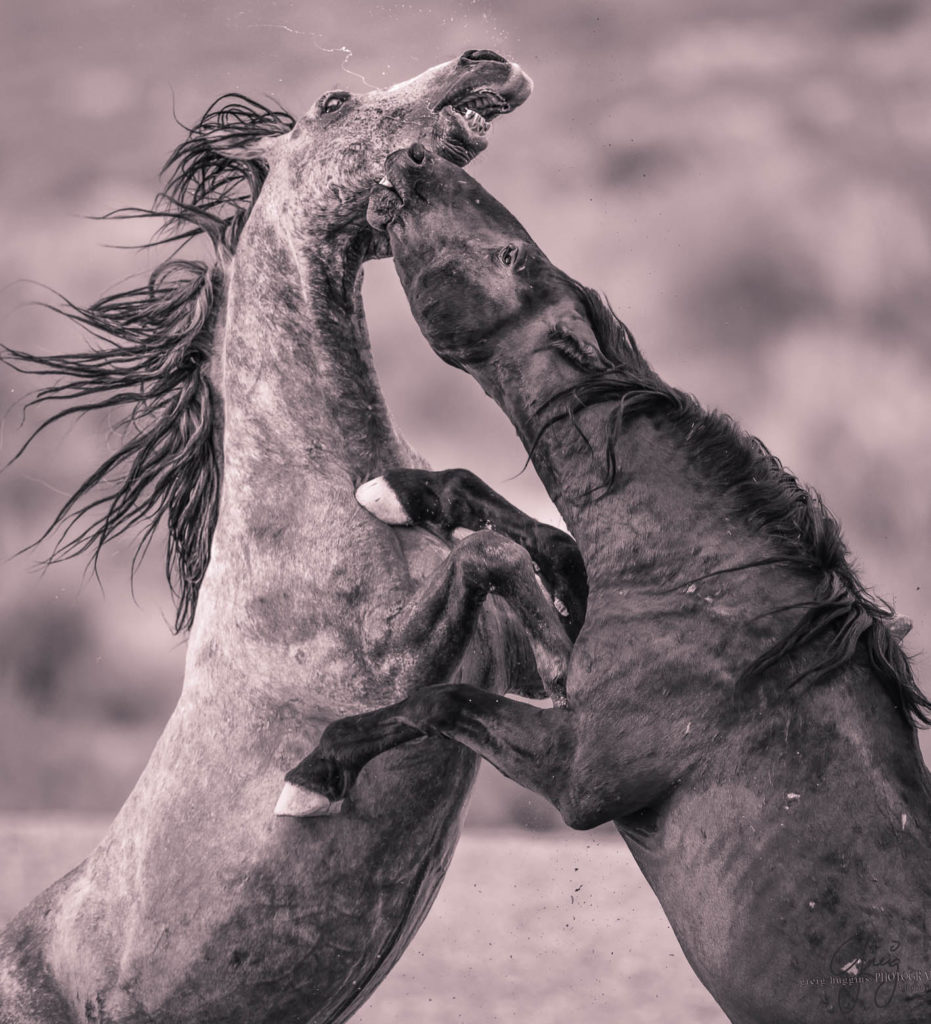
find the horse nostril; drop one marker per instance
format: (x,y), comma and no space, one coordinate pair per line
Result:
(417,153)
(473,55)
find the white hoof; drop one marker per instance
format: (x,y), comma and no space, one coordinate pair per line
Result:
(296,802)
(378,498)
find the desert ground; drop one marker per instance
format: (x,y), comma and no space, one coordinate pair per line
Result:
(554,927)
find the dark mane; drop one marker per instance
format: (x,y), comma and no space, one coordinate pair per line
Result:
(844,617)
(151,350)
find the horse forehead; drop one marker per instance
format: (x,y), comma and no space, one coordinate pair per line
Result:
(375,124)
(418,83)
(420,93)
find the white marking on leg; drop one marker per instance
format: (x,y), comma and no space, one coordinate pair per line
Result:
(378,498)
(904,821)
(296,802)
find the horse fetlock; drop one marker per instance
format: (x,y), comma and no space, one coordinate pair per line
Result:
(380,499)
(298,802)
(552,667)
(323,775)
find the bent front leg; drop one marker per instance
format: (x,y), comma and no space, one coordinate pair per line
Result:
(431,633)
(427,640)
(562,755)
(455,499)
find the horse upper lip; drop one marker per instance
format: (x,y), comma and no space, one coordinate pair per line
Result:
(486,102)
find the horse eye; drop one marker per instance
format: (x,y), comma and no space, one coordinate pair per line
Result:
(332,101)
(508,254)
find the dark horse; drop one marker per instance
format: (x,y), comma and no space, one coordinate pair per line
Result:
(737,702)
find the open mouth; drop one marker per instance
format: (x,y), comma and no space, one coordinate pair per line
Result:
(478,109)
(465,120)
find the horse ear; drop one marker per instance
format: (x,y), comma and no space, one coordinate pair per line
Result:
(572,332)
(900,627)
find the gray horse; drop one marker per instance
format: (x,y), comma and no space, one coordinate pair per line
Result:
(254,414)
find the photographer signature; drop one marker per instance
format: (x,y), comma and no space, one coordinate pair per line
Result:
(858,958)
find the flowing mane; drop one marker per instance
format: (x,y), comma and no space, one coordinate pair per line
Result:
(152,351)
(844,617)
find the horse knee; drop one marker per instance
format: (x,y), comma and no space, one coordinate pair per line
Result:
(492,561)
(435,711)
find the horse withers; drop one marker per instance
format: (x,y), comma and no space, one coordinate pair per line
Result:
(737,701)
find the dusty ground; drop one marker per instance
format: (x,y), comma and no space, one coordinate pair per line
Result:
(553,928)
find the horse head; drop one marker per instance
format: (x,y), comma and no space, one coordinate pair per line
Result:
(323,169)
(485,296)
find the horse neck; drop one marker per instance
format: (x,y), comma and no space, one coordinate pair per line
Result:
(303,424)
(661,517)
(296,374)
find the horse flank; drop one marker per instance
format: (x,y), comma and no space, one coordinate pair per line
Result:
(844,619)
(152,353)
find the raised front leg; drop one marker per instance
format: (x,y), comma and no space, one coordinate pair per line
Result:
(455,499)
(570,757)
(430,635)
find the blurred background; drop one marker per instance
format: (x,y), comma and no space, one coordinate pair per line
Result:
(747,182)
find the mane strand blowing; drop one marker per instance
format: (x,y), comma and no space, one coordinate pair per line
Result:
(149,353)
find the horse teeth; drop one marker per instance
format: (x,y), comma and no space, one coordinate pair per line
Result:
(476,121)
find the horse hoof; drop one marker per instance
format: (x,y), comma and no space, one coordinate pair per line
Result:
(297,802)
(378,497)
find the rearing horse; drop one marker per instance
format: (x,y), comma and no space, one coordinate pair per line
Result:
(254,414)
(737,702)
